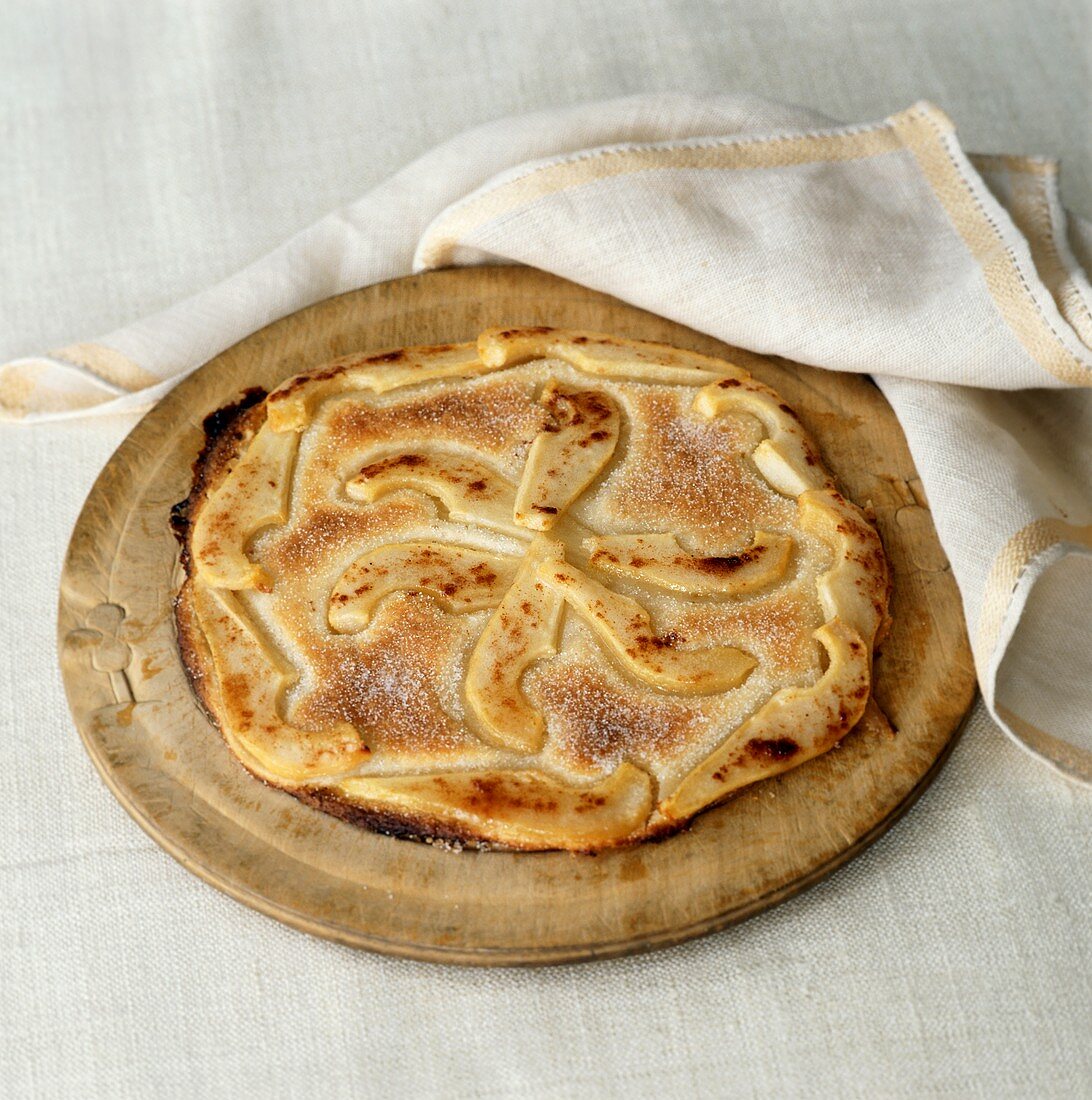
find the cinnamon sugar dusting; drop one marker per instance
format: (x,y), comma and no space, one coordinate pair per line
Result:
(498,416)
(327,531)
(686,473)
(388,686)
(596,724)
(778,628)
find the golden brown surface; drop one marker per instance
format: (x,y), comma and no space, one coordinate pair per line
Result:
(552,590)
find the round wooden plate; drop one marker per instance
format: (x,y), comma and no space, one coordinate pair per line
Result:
(171,771)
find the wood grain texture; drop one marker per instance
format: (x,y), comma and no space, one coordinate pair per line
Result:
(169,768)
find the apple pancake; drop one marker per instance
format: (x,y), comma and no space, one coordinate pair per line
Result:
(546,590)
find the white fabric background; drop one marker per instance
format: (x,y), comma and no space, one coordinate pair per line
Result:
(151,150)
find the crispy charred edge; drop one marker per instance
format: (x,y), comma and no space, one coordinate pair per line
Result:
(400,826)
(426,829)
(226,430)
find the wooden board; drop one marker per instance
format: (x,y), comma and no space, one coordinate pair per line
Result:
(171,771)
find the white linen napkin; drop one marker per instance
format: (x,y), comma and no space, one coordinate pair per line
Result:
(956,280)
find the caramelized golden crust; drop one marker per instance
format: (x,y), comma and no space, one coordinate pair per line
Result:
(549,590)
(227,431)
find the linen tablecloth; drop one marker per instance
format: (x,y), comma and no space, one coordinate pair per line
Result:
(946,959)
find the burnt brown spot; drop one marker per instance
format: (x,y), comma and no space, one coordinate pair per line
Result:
(777,748)
(730,562)
(303,380)
(494,796)
(410,461)
(221,429)
(538,330)
(729,383)
(386,357)
(482,574)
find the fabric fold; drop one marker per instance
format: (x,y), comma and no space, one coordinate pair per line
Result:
(956,280)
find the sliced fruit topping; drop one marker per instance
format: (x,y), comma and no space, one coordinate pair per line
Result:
(625,629)
(252,496)
(292,406)
(469,490)
(251,679)
(522,630)
(659,560)
(577,441)
(795,725)
(632,360)
(459,578)
(786,459)
(520,809)
(855,586)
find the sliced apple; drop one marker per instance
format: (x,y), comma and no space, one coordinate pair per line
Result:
(855,586)
(522,630)
(251,679)
(606,356)
(469,490)
(576,443)
(520,809)
(659,560)
(459,578)
(291,407)
(785,459)
(625,629)
(795,725)
(253,495)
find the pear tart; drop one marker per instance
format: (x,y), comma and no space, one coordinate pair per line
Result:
(546,590)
